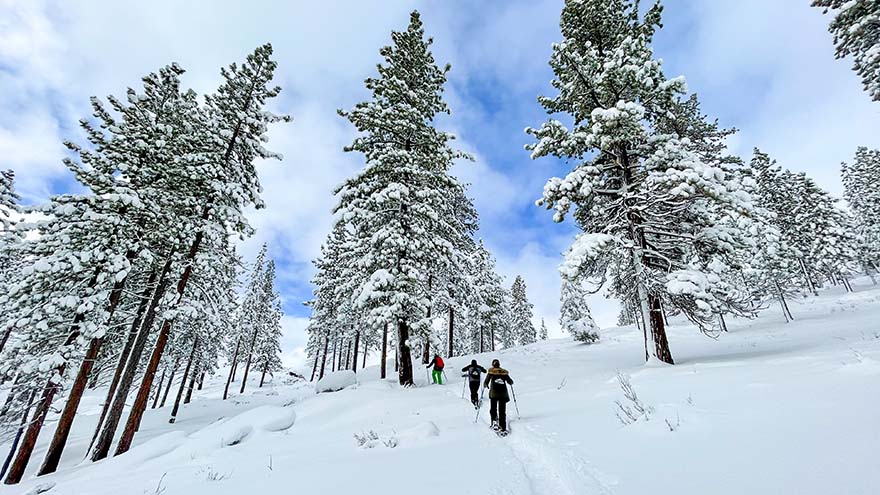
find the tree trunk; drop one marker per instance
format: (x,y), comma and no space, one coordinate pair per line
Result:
(189,362)
(785,311)
(324,356)
(108,429)
(659,331)
(315,366)
(59,440)
(405,366)
(170,382)
(232,370)
(202,379)
(846,284)
(723,323)
(16,471)
(126,351)
(357,341)
(5,338)
(140,401)
(481,339)
(492,339)
(449,352)
(807,277)
(247,366)
(14,446)
(383,364)
(366,351)
(262,377)
(190,388)
(333,362)
(347,356)
(159,388)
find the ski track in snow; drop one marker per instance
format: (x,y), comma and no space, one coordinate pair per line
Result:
(545,467)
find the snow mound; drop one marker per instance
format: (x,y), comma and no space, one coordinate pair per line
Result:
(421,431)
(336,381)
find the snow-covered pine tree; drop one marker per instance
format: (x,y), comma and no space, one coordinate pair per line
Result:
(631,178)
(542,334)
(861,189)
(521,313)
(856,30)
(9,239)
(267,353)
(492,319)
(251,315)
(574,313)
(402,206)
(89,242)
(234,130)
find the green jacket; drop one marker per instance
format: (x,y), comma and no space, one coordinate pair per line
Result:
(497,380)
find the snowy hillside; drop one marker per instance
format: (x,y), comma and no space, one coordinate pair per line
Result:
(769,408)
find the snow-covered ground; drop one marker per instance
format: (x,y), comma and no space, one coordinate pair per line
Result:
(768,408)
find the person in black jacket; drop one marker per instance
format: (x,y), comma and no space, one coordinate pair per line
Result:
(496,381)
(473,372)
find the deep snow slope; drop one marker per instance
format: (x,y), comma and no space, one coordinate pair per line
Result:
(769,408)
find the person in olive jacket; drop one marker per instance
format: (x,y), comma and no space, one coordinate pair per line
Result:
(496,381)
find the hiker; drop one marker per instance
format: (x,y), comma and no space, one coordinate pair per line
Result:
(472,371)
(437,374)
(496,381)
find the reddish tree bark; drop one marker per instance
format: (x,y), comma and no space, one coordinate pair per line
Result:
(114,414)
(126,351)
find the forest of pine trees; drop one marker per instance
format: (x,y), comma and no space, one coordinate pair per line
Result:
(133,282)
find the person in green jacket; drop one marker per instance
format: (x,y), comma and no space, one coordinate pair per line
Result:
(437,374)
(496,381)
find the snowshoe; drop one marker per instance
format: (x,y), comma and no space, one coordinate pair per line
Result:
(495,427)
(502,433)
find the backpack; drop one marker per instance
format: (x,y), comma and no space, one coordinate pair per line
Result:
(440,362)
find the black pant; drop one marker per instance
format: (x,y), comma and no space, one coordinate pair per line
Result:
(498,412)
(475,388)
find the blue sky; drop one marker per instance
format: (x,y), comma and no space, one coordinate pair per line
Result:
(766,68)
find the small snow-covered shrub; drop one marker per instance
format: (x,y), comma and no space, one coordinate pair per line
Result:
(634,409)
(367,440)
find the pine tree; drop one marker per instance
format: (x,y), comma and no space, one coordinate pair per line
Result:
(491,325)
(861,184)
(402,206)
(10,238)
(521,313)
(231,132)
(543,332)
(574,313)
(631,177)
(856,30)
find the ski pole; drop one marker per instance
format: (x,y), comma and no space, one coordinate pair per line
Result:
(514,401)
(445,377)
(480,404)
(463,385)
